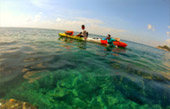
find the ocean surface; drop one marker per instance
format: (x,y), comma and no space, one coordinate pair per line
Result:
(52,72)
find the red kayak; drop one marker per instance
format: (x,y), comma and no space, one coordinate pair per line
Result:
(118,43)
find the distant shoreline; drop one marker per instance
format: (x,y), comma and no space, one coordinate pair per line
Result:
(166,48)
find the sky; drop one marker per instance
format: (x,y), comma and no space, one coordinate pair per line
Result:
(142,21)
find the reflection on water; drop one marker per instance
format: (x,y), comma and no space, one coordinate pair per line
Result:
(80,44)
(167,63)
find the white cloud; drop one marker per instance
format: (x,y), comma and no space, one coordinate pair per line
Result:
(92,25)
(58,19)
(168,41)
(150,27)
(95,26)
(39,3)
(104,30)
(29,19)
(37,17)
(93,21)
(12,20)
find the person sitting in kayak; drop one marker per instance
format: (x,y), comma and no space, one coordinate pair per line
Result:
(84,33)
(110,41)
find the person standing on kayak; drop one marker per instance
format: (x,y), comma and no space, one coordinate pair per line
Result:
(84,33)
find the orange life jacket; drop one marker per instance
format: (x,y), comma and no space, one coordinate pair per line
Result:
(69,32)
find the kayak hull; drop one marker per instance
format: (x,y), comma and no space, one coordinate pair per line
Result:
(118,43)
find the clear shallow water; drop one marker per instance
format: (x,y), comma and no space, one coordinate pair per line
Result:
(39,67)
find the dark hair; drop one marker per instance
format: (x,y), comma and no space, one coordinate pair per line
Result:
(109,35)
(82,26)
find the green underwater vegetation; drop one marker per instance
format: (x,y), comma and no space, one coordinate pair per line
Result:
(71,89)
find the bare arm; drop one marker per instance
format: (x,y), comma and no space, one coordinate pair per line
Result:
(79,34)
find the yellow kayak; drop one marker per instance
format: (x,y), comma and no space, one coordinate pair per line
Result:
(69,36)
(98,40)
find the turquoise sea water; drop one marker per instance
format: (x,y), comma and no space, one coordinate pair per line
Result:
(51,72)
